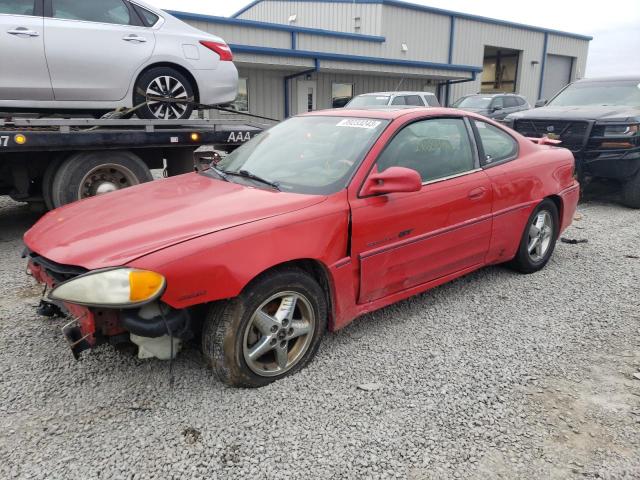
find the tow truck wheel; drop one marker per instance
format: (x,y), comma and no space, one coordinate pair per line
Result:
(163,83)
(631,192)
(86,174)
(271,330)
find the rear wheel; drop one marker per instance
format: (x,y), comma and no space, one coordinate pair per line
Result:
(271,330)
(538,239)
(168,94)
(86,174)
(631,192)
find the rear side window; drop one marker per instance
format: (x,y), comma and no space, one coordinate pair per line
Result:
(510,102)
(148,18)
(17,7)
(521,101)
(414,100)
(432,101)
(400,100)
(102,11)
(497,145)
(498,102)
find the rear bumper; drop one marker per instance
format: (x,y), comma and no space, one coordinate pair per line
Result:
(570,197)
(217,86)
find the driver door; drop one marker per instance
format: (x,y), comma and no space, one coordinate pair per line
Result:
(402,240)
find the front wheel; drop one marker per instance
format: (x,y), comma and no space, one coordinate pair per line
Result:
(270,331)
(631,192)
(167,92)
(538,239)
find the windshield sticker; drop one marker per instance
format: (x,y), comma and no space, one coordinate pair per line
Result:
(358,123)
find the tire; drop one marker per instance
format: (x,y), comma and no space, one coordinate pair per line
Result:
(153,82)
(47,181)
(527,261)
(113,170)
(631,192)
(230,333)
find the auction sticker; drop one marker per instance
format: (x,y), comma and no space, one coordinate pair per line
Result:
(358,123)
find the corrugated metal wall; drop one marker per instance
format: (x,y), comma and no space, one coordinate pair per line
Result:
(470,39)
(328,16)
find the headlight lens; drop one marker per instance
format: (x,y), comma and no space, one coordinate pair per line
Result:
(118,287)
(621,130)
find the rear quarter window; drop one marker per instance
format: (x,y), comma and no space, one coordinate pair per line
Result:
(498,146)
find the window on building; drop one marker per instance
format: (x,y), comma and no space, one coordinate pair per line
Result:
(241,103)
(497,145)
(341,93)
(102,11)
(17,7)
(500,70)
(435,148)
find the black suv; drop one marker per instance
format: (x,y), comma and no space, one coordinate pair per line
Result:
(599,121)
(492,105)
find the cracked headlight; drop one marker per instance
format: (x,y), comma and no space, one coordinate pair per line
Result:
(115,288)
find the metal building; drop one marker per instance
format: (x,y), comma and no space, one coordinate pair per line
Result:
(300,55)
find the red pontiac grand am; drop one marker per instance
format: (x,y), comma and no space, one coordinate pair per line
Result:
(312,223)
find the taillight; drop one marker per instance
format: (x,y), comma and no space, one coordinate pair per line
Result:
(222,49)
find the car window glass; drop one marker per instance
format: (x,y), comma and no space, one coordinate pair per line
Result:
(16,7)
(435,148)
(150,18)
(497,144)
(414,100)
(103,11)
(510,102)
(521,101)
(399,100)
(498,102)
(432,101)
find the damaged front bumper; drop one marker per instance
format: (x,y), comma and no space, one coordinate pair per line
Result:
(90,326)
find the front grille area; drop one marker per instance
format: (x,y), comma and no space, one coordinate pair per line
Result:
(60,273)
(571,133)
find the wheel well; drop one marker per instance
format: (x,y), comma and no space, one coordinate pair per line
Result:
(558,202)
(318,272)
(180,69)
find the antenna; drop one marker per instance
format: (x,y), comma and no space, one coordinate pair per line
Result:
(399,84)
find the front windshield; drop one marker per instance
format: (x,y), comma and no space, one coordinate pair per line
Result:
(472,102)
(620,93)
(312,154)
(368,101)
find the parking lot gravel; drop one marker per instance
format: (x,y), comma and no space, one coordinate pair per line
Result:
(496,375)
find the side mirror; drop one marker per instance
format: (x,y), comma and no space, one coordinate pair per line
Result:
(392,180)
(541,103)
(496,108)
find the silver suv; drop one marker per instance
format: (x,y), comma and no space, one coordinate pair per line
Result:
(492,105)
(98,55)
(379,99)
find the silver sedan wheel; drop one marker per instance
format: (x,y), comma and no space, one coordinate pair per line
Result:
(540,235)
(170,88)
(279,334)
(106,178)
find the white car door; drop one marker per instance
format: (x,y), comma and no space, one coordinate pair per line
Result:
(23,65)
(94,48)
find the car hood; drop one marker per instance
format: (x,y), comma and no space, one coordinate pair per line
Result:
(578,113)
(115,229)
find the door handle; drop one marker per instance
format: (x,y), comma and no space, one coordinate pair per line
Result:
(477,193)
(23,31)
(134,38)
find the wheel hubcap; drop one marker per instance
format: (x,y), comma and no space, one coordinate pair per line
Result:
(279,333)
(105,179)
(540,235)
(170,88)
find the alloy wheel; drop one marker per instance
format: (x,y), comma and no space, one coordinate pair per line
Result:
(278,334)
(540,236)
(171,89)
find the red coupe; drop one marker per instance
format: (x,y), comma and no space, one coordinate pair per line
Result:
(316,221)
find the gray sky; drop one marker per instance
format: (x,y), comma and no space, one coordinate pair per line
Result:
(615,31)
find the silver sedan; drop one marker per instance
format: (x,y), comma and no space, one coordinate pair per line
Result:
(98,55)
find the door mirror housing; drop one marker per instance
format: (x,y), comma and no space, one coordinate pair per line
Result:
(496,108)
(541,103)
(392,180)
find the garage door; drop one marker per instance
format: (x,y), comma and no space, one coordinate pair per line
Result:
(557,73)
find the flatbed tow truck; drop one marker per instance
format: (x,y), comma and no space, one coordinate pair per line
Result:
(49,162)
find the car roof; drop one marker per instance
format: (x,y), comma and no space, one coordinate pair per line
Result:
(494,95)
(406,92)
(385,113)
(621,78)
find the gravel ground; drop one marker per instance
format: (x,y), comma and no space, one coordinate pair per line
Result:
(496,375)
